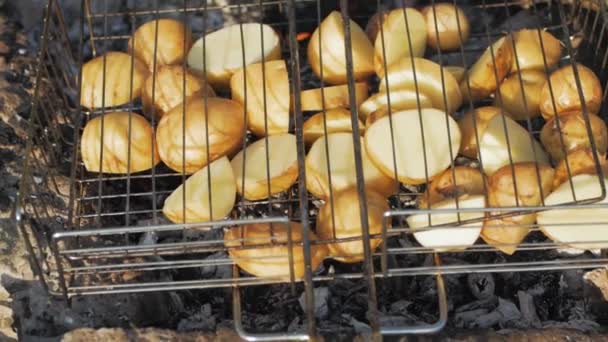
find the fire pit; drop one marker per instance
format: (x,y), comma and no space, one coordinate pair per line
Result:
(414,265)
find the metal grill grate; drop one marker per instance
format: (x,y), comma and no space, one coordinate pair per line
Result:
(113,225)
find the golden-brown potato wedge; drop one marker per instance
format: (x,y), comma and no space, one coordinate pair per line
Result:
(505,142)
(264,116)
(530,54)
(120,87)
(456,236)
(335,97)
(401,27)
(571,129)
(447,26)
(487,73)
(472,126)
(510,186)
(337,120)
(565,92)
(221,189)
(346,223)
(272,261)
(164,89)
(126,149)
(583,228)
(400,100)
(342,168)
(227,51)
(427,80)
(453,183)
(225,133)
(330,56)
(520,94)
(578,162)
(279,162)
(414,164)
(173,42)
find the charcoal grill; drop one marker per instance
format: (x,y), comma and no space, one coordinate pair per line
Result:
(80,249)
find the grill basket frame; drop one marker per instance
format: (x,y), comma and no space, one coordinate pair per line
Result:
(66,244)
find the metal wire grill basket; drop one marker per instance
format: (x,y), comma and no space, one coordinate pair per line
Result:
(97,233)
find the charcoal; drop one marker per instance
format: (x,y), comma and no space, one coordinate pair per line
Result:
(509,313)
(487,304)
(399,307)
(321,307)
(204,320)
(468,319)
(219,271)
(528,309)
(360,327)
(481,285)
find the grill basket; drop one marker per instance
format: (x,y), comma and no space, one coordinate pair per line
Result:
(93,233)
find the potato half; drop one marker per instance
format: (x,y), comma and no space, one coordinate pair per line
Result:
(330,56)
(456,236)
(280,163)
(173,42)
(165,89)
(498,149)
(457,71)
(453,183)
(268,79)
(116,142)
(428,78)
(401,27)
(516,88)
(226,47)
(335,97)
(401,99)
(221,189)
(578,162)
(565,92)
(412,168)
(510,186)
(271,261)
(123,83)
(530,54)
(447,26)
(582,228)
(342,167)
(472,125)
(487,73)
(346,223)
(337,120)
(182,135)
(573,131)
(372,28)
